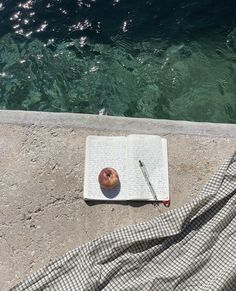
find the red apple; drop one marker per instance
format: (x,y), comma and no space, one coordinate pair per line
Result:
(108,178)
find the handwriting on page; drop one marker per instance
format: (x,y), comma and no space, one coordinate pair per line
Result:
(106,152)
(149,150)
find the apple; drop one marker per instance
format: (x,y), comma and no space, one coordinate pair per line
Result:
(108,178)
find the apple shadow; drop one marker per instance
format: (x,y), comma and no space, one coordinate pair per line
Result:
(111,193)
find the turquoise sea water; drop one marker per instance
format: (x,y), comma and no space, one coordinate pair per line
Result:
(155,59)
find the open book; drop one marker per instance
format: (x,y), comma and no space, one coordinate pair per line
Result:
(123,154)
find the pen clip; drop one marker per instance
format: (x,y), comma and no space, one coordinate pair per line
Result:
(144,168)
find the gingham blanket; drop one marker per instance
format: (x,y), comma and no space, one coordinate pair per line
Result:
(190,248)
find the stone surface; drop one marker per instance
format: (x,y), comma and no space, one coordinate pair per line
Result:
(42,211)
(110,123)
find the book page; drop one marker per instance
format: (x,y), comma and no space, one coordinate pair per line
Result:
(103,152)
(151,150)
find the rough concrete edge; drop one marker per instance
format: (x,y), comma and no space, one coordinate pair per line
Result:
(111,123)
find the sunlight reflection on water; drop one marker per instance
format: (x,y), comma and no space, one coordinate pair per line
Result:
(157,59)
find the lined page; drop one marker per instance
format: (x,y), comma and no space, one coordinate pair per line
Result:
(151,150)
(103,152)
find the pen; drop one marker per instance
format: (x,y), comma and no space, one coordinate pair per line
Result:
(145,174)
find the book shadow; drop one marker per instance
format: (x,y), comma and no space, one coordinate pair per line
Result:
(131,203)
(113,202)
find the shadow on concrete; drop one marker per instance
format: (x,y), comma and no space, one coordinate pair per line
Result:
(128,203)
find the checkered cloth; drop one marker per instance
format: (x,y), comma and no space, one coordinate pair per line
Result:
(190,248)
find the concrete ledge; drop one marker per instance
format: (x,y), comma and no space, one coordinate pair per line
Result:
(42,211)
(142,125)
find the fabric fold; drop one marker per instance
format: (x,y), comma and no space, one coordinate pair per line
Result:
(190,248)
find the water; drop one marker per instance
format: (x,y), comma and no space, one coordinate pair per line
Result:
(157,59)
